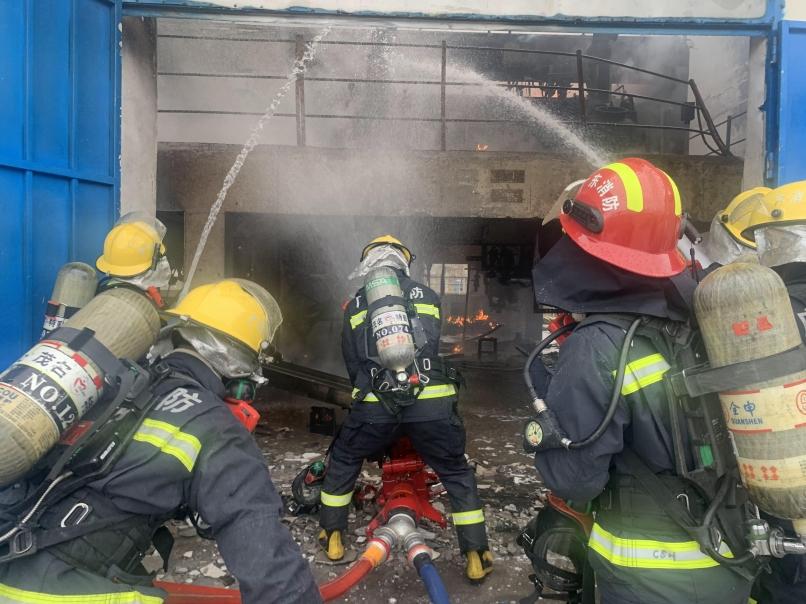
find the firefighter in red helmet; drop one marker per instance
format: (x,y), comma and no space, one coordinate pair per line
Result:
(618,261)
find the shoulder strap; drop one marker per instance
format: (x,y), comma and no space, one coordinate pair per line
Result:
(81,462)
(675,509)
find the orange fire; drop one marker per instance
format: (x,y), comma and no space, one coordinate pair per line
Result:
(457,349)
(477,318)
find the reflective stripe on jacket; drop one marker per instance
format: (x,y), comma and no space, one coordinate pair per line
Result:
(13,595)
(649,553)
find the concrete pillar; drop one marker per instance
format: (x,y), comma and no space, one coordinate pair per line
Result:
(138,155)
(754,149)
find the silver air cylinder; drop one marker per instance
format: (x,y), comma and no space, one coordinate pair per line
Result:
(51,386)
(390,322)
(75,286)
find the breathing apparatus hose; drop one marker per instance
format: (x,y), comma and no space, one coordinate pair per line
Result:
(617,384)
(541,407)
(537,350)
(707,522)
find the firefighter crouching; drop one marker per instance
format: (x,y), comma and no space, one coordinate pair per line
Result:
(390,344)
(619,261)
(187,455)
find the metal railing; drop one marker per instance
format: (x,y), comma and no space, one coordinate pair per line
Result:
(707,129)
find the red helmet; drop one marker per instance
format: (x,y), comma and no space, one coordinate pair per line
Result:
(629,215)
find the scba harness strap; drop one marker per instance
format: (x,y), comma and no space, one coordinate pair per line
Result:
(698,437)
(111,546)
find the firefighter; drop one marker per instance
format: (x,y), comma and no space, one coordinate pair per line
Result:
(725,241)
(189,454)
(778,229)
(429,418)
(134,256)
(619,257)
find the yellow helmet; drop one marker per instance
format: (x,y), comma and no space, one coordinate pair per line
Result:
(739,214)
(132,246)
(387,240)
(781,206)
(237,308)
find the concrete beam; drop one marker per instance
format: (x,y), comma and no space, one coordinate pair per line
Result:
(320,181)
(307,180)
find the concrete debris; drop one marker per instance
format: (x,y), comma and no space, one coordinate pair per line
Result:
(212,571)
(509,489)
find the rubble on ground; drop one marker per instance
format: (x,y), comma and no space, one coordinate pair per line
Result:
(508,486)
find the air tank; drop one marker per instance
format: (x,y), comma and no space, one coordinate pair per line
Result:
(45,392)
(75,286)
(389,321)
(744,313)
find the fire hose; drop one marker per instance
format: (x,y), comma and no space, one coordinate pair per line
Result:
(401,529)
(376,553)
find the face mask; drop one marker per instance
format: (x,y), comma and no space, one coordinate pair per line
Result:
(720,246)
(782,244)
(159,276)
(228,358)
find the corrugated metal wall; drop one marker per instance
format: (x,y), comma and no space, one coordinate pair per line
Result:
(59,147)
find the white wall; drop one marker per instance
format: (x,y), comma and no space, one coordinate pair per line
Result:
(138,155)
(795,10)
(538,8)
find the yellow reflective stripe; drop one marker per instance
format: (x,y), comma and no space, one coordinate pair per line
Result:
(465,518)
(358,318)
(14,594)
(369,398)
(632,186)
(643,372)
(170,440)
(427,309)
(429,392)
(336,501)
(678,205)
(437,391)
(647,553)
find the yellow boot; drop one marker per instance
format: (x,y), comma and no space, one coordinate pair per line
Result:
(331,543)
(479,565)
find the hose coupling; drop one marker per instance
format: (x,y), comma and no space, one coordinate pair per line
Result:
(377,551)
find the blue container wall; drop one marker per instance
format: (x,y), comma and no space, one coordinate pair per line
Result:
(792,103)
(59,148)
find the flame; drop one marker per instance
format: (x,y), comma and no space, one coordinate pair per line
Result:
(457,349)
(477,318)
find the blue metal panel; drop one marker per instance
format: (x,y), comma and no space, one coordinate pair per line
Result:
(59,144)
(791,127)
